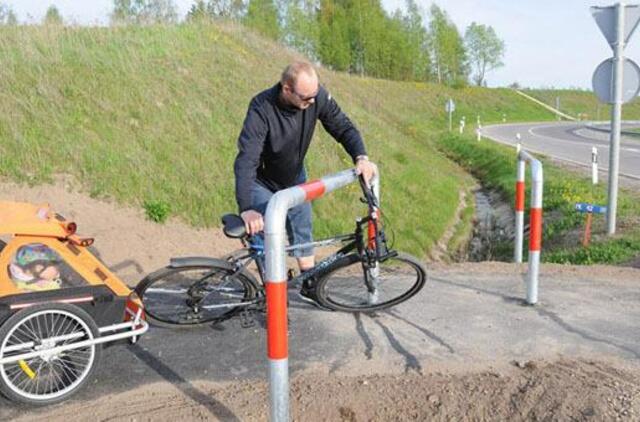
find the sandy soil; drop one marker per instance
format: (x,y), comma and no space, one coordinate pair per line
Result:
(561,390)
(538,390)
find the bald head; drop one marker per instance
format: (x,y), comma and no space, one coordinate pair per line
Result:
(299,83)
(295,70)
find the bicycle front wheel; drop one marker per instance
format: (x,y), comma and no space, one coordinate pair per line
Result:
(195,294)
(344,288)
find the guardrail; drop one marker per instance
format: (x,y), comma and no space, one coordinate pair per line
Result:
(276,279)
(535,220)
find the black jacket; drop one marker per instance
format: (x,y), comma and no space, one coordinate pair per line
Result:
(275,138)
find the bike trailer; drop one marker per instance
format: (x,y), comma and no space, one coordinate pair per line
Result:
(58,305)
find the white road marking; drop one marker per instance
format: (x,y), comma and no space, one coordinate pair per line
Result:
(509,142)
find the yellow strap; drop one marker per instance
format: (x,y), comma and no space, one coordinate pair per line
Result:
(25,367)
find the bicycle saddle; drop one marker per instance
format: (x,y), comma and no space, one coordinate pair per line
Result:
(233,226)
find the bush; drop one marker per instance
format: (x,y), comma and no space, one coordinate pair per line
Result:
(157,211)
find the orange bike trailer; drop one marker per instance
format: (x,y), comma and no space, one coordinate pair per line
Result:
(58,305)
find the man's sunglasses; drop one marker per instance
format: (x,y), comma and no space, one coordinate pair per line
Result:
(304,99)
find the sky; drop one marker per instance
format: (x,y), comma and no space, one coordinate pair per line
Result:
(549,43)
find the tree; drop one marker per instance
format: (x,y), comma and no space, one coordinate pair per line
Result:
(334,48)
(215,9)
(417,41)
(301,29)
(143,12)
(228,9)
(446,49)
(53,17)
(485,50)
(199,11)
(262,15)
(7,15)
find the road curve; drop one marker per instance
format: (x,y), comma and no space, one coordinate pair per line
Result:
(571,142)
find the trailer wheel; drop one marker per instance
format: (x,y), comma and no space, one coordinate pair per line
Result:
(32,371)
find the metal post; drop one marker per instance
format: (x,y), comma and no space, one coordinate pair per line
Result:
(594,165)
(519,207)
(276,280)
(535,231)
(616,114)
(535,222)
(479,133)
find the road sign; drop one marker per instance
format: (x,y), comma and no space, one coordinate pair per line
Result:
(617,23)
(606,18)
(591,208)
(603,81)
(450,106)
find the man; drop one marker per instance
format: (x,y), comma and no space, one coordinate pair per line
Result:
(272,146)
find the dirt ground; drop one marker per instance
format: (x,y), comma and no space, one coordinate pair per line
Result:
(534,390)
(560,389)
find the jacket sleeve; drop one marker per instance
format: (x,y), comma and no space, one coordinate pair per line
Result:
(250,145)
(338,125)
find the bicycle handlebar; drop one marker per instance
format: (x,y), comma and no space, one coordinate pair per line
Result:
(369,194)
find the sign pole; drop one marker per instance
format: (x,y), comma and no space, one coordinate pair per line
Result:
(616,115)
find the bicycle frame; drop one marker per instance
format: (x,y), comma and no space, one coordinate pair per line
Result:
(370,248)
(356,241)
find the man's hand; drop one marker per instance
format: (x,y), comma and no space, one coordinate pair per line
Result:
(253,221)
(366,168)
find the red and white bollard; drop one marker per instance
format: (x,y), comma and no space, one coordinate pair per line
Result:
(535,221)
(276,279)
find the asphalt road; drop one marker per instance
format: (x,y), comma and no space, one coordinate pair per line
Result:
(458,320)
(570,142)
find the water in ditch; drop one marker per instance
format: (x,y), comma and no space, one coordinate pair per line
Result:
(493,230)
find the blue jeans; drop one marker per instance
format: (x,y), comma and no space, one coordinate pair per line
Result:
(299,220)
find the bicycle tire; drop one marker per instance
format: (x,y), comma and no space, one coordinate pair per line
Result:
(48,377)
(164,294)
(342,287)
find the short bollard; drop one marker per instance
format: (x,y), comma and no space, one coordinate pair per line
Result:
(589,209)
(535,220)
(276,279)
(479,133)
(594,165)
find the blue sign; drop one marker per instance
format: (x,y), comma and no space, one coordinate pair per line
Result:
(594,209)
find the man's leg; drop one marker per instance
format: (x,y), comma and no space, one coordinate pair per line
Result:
(306,262)
(299,231)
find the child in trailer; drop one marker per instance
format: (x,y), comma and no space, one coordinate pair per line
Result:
(35,268)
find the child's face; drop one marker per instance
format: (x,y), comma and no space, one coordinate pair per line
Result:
(47,273)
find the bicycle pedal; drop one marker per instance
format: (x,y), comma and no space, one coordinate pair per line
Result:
(290,274)
(246,319)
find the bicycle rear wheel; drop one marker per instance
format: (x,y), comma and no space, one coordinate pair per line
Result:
(195,294)
(343,286)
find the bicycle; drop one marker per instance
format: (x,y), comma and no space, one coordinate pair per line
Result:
(364,275)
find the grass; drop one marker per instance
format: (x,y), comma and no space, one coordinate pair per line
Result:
(583,104)
(495,166)
(149,117)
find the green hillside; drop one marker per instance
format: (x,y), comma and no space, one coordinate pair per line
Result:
(584,103)
(152,114)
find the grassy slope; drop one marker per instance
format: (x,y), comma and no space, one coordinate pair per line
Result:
(153,113)
(494,165)
(576,102)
